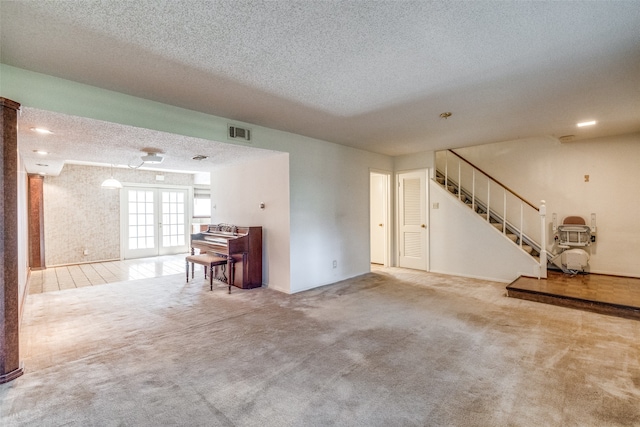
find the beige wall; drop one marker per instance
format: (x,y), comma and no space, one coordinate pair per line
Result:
(79,214)
(237,192)
(546,169)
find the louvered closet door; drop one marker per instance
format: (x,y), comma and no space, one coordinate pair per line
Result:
(412,245)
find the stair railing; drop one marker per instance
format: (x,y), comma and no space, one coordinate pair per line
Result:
(496,200)
(543,238)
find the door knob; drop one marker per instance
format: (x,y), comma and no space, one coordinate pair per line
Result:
(380,225)
(423,226)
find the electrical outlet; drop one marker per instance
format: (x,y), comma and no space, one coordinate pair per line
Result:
(335,263)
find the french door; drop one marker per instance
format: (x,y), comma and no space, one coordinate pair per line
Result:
(155,221)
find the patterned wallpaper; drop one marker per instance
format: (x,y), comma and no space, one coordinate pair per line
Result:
(79,214)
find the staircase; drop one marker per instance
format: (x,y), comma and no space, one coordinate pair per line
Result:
(451,170)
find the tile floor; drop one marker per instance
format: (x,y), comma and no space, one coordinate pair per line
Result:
(81,275)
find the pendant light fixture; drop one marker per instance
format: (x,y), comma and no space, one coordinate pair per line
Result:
(111,183)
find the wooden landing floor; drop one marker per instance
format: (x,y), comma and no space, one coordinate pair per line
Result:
(612,295)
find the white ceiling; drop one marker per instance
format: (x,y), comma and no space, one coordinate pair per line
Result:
(369,74)
(87,141)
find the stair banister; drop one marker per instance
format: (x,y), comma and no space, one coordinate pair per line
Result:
(504,210)
(543,240)
(523,237)
(488,200)
(459,181)
(521,221)
(446,170)
(491,178)
(473,190)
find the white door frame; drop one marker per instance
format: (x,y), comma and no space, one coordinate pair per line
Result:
(124,201)
(421,264)
(388,218)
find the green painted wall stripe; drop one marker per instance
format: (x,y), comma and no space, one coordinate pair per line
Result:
(45,92)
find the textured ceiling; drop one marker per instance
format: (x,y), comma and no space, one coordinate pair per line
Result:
(369,74)
(89,141)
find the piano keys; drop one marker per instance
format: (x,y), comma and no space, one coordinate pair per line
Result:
(242,246)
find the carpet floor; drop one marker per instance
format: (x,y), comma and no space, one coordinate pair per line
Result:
(394,347)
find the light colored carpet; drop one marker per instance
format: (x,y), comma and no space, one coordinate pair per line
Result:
(391,348)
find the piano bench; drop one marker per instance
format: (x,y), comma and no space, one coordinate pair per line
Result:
(209,261)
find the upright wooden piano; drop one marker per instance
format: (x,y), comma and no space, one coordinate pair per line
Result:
(241,245)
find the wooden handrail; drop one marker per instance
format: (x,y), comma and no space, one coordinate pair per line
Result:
(495,180)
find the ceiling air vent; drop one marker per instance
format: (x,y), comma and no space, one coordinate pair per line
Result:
(239,133)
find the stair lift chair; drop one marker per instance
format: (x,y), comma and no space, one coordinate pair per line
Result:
(571,236)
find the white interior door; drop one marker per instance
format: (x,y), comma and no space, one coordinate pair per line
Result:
(155,221)
(412,220)
(379,222)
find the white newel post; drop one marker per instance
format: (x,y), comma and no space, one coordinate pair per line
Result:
(543,241)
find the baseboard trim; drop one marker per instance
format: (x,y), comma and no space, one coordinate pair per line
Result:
(470,276)
(10,376)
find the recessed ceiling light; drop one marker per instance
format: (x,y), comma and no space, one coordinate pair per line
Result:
(42,173)
(42,164)
(41,152)
(199,157)
(589,123)
(42,131)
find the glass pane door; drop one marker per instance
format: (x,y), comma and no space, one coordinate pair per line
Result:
(156,221)
(174,224)
(141,240)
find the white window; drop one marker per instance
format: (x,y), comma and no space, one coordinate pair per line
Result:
(201,202)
